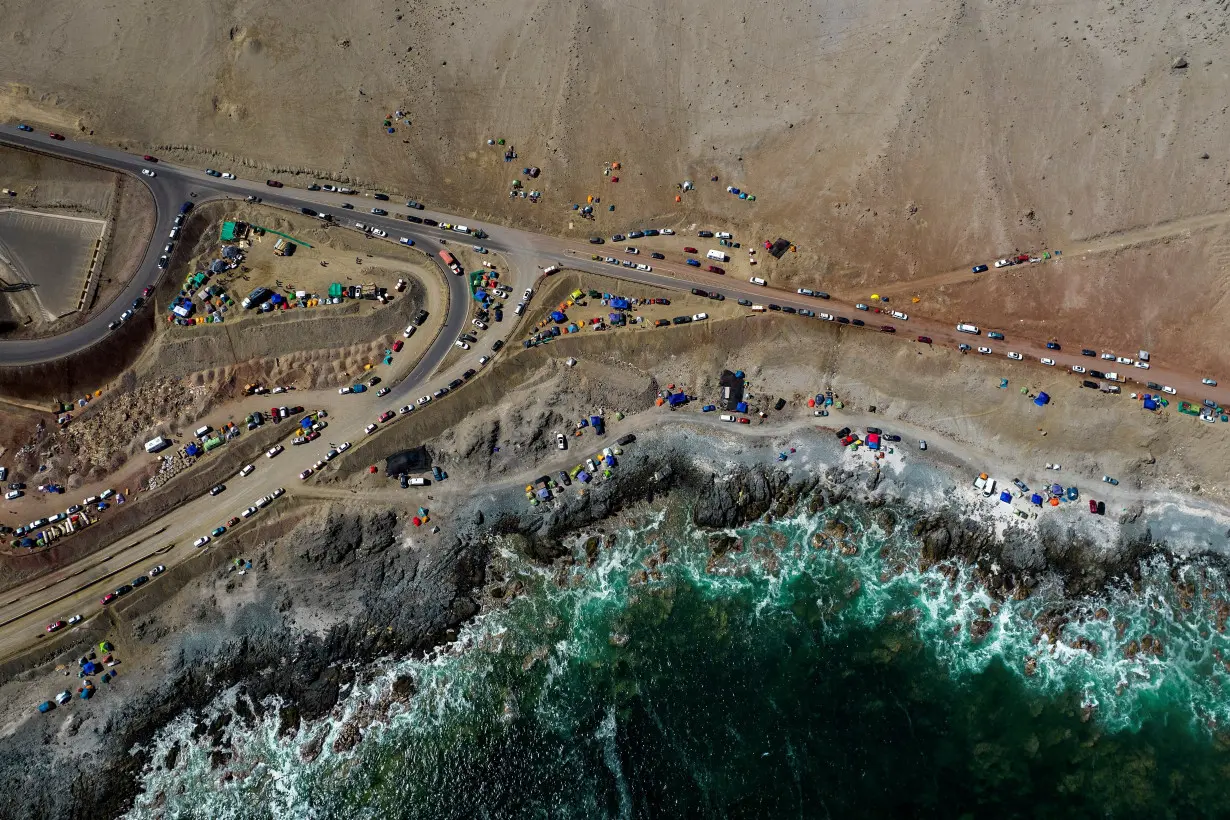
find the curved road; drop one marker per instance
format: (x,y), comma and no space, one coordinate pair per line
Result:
(76,588)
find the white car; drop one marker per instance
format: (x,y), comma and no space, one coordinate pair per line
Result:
(611,260)
(342,391)
(227,175)
(406,409)
(1016,356)
(666,232)
(1168,389)
(303,476)
(756,280)
(644,267)
(482,360)
(828,317)
(424,400)
(560,441)
(378,232)
(279,492)
(275,450)
(369,429)
(700,317)
(724,235)
(247,470)
(462,345)
(409,331)
(1210,382)
(1123,360)
(519,309)
(1141,365)
(1002,263)
(480,324)
(984,350)
(148,172)
(899,315)
(529,292)
(202,541)
(1076,368)
(1110,357)
(249,512)
(1050,362)
(343,447)
(632,251)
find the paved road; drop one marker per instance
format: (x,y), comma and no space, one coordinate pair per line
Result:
(77,588)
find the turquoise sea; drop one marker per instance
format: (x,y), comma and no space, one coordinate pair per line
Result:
(795,676)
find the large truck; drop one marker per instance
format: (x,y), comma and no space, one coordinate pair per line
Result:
(157,444)
(718,255)
(255,298)
(451,261)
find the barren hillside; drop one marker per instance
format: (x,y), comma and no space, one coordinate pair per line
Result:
(891,140)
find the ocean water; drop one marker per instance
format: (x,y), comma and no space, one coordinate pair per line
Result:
(795,676)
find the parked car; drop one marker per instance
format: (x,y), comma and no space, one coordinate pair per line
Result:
(1046,361)
(887,329)
(1210,382)
(690,250)
(979,268)
(1076,368)
(273,183)
(984,350)
(1088,352)
(202,541)
(925,339)
(217,488)
(1014,355)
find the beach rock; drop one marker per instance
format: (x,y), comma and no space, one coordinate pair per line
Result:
(1178,65)
(288,721)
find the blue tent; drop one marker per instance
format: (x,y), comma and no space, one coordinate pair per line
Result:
(741,407)
(677,399)
(544,494)
(1150,403)
(583,477)
(619,303)
(306,424)
(1005,497)
(1036,500)
(1042,399)
(89,667)
(557,316)
(609,459)
(193,449)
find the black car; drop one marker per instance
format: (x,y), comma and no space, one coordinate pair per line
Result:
(431,222)
(821,295)
(1089,384)
(651,232)
(780,404)
(495,348)
(858,322)
(416,219)
(307,212)
(381,197)
(564,479)
(745,302)
(775,307)
(124,590)
(380,212)
(705,234)
(843,432)
(373,381)
(348,206)
(656,255)
(137,303)
(217,488)
(596,240)
(682,320)
(892,437)
(636,234)
(1097,374)
(469,374)
(17,485)
(138,581)
(717,296)
(410,203)
(788,309)
(875,430)
(313,187)
(843,320)
(455,383)
(699,292)
(1088,352)
(421,317)
(1153,385)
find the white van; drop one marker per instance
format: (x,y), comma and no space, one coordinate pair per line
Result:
(700,317)
(759,308)
(247,470)
(12,494)
(418,481)
(461,229)
(202,431)
(409,331)
(724,235)
(547,271)
(718,255)
(756,280)
(969,329)
(105,494)
(725,417)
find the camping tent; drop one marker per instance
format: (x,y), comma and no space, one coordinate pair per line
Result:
(558,317)
(1036,500)
(1150,403)
(1042,399)
(1005,497)
(676,399)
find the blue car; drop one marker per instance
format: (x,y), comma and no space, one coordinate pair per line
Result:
(693,263)
(24,127)
(708,408)
(1052,345)
(359,388)
(979,268)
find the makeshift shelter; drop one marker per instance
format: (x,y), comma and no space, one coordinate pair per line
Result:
(228,231)
(558,317)
(741,407)
(873,441)
(1036,500)
(1150,403)
(619,303)
(676,399)
(1005,497)
(1042,400)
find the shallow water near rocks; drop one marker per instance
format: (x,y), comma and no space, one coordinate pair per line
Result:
(792,676)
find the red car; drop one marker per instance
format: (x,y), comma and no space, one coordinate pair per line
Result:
(1093,507)
(55,136)
(148,158)
(1023,258)
(887,329)
(925,339)
(386,415)
(273,183)
(397,345)
(715,269)
(848,440)
(108,598)
(690,250)
(744,420)
(312,436)
(54,625)
(232,522)
(275,415)
(145,294)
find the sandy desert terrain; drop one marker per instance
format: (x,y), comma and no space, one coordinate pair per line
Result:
(892,141)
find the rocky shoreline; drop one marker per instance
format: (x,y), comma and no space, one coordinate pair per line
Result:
(388,600)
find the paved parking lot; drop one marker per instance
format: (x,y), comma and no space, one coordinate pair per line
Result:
(50,252)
